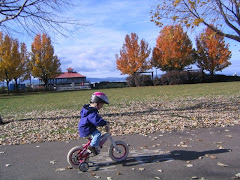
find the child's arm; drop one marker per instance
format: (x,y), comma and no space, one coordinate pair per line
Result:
(97,120)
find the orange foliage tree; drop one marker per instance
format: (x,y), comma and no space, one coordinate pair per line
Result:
(20,60)
(5,59)
(223,14)
(212,51)
(44,63)
(133,56)
(173,49)
(12,59)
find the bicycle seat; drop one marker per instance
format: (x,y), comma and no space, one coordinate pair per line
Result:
(88,137)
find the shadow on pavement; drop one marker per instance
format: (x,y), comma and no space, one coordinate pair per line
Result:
(174,155)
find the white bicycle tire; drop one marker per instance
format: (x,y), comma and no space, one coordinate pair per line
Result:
(70,156)
(123,147)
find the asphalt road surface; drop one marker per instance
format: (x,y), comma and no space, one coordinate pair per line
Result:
(209,153)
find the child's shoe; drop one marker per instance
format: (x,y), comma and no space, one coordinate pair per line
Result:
(93,150)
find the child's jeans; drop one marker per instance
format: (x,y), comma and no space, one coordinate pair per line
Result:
(96,138)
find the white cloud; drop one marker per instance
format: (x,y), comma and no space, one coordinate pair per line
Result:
(92,51)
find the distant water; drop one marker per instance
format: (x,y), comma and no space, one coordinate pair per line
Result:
(110,79)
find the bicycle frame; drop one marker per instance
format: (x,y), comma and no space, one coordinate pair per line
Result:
(85,147)
(104,139)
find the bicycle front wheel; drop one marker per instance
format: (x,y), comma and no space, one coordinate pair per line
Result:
(122,154)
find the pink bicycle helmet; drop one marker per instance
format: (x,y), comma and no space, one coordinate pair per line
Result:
(99,97)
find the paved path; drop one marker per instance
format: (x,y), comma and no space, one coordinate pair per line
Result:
(209,153)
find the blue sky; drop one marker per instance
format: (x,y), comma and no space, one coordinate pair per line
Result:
(92,50)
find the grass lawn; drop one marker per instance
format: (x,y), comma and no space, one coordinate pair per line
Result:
(21,104)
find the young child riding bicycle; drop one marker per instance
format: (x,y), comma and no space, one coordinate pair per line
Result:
(90,120)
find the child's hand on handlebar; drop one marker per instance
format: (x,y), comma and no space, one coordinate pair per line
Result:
(107,127)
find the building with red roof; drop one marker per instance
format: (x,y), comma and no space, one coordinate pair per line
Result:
(68,78)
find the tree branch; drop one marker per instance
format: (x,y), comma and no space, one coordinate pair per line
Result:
(17,14)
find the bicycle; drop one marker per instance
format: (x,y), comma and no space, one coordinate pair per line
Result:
(78,157)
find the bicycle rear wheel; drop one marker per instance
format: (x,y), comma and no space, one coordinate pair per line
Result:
(74,158)
(119,156)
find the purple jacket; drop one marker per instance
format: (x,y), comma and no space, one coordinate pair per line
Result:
(89,121)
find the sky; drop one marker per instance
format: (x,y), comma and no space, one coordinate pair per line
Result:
(91,52)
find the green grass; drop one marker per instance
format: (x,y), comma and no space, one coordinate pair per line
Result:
(21,104)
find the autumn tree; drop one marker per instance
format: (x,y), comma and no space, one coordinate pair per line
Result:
(33,16)
(133,56)
(45,65)
(173,49)
(222,16)
(212,52)
(12,59)
(5,59)
(20,56)
(1,60)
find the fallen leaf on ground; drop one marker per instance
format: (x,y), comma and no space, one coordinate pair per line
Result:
(213,157)
(189,165)
(93,173)
(43,130)
(118,173)
(220,142)
(53,162)
(60,169)
(220,147)
(237,176)
(222,165)
(141,169)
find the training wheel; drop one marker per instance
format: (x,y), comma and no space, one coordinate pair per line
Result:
(83,166)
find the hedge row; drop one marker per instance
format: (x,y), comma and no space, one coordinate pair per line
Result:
(177,77)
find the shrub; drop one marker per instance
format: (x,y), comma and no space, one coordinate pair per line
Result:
(139,80)
(131,81)
(195,77)
(106,84)
(220,78)
(143,80)
(157,81)
(181,77)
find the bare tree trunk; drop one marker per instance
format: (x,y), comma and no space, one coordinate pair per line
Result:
(16,85)
(8,91)
(1,121)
